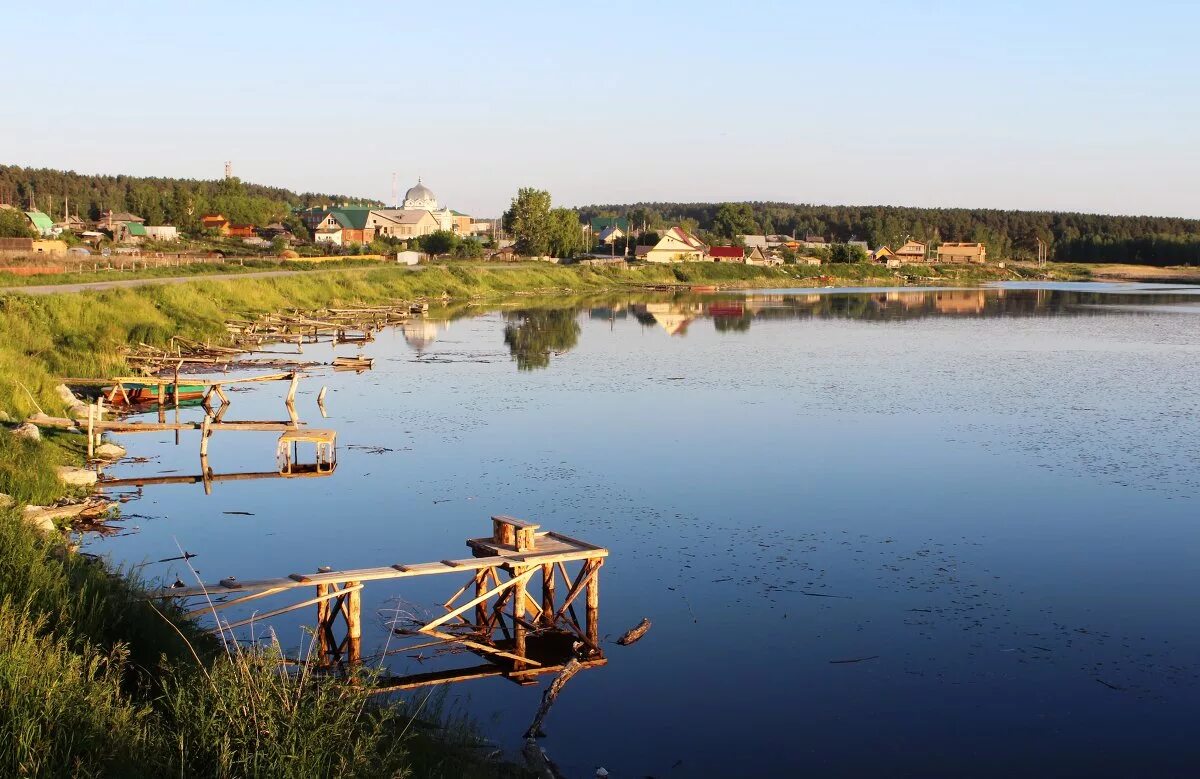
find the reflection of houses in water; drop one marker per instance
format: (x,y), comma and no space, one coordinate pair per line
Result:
(757,303)
(617,311)
(674,317)
(907,299)
(960,301)
(421,332)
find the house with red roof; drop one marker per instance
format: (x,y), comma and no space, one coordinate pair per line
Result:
(727,253)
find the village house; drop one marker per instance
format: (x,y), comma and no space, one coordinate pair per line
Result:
(463,223)
(215,222)
(72,223)
(752,241)
(757,256)
(118,223)
(276,230)
(676,245)
(599,224)
(962,252)
(129,232)
(241,231)
(886,256)
(611,235)
(407,223)
(913,252)
(727,253)
(42,224)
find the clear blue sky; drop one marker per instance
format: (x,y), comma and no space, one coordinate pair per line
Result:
(1090,106)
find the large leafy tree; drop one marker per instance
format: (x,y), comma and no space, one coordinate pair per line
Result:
(566,233)
(528,221)
(439,243)
(734,219)
(13,224)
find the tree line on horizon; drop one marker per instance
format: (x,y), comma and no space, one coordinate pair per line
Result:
(165,201)
(1069,236)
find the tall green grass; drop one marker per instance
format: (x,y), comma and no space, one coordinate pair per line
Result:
(97,681)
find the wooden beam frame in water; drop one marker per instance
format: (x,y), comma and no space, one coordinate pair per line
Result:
(493,615)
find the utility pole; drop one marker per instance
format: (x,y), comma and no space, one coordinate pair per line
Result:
(228,169)
(395,195)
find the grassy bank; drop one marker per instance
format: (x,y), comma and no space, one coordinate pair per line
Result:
(95,681)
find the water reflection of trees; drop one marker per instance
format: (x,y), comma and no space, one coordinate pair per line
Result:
(533,335)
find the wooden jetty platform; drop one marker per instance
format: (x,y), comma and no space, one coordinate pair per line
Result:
(169,386)
(494,615)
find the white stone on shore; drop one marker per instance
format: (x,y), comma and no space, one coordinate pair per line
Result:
(28,430)
(76,477)
(110,451)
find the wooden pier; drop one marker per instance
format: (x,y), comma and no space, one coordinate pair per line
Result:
(494,614)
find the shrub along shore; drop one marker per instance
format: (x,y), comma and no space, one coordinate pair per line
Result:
(97,681)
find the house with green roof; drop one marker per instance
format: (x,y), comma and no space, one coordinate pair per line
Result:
(42,223)
(129,232)
(601,223)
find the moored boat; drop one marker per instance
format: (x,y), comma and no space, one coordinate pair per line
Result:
(138,392)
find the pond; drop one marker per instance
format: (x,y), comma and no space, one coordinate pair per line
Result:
(894,531)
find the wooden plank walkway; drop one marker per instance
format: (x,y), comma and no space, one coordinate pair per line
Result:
(558,548)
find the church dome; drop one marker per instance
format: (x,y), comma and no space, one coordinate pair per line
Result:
(420,194)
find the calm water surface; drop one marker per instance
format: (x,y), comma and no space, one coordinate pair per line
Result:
(991,493)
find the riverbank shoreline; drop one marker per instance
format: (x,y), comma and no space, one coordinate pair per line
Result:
(87,334)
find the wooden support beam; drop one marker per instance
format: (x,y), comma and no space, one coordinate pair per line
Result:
(513,582)
(224,604)
(548,577)
(585,577)
(325,597)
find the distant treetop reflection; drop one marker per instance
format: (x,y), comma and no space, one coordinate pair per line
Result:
(532,336)
(535,335)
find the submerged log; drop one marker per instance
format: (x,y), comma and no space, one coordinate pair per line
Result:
(550,695)
(634,633)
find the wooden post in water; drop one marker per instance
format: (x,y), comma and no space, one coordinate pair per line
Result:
(291,396)
(162,406)
(322,626)
(518,618)
(91,431)
(548,594)
(593,608)
(481,577)
(353,624)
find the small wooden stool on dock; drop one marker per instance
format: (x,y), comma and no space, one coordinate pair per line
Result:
(287,453)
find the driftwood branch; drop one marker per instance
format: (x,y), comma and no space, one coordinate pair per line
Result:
(634,633)
(550,695)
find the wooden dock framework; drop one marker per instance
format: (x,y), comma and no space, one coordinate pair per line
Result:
(499,614)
